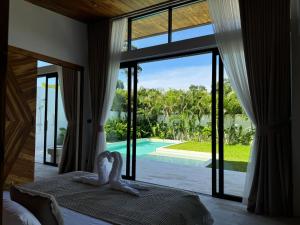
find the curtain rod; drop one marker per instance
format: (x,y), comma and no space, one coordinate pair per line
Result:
(153,8)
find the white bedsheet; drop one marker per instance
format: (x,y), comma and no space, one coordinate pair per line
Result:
(73,218)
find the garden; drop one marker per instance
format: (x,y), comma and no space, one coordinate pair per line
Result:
(184,115)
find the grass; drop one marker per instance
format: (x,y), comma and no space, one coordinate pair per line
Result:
(235,156)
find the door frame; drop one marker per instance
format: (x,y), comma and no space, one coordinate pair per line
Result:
(217,121)
(49,76)
(81,73)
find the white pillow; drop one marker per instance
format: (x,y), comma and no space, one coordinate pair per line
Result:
(16,214)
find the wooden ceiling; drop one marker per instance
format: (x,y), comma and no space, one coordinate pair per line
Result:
(90,10)
(191,15)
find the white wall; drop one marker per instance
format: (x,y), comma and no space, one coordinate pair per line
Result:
(42,31)
(296,102)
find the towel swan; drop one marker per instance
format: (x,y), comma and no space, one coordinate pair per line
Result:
(102,170)
(114,178)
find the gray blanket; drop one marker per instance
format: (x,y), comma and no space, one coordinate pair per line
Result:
(155,206)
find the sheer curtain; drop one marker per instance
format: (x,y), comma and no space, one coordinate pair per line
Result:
(117,39)
(227,26)
(106,39)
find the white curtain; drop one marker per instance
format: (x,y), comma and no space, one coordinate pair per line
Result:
(117,39)
(227,26)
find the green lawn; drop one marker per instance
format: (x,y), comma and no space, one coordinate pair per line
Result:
(235,156)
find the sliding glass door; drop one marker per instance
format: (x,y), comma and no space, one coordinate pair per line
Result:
(119,126)
(174,122)
(169,121)
(51,122)
(50,125)
(234,135)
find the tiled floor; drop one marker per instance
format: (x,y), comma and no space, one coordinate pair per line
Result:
(193,177)
(42,171)
(233,213)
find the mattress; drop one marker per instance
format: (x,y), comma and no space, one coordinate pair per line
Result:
(154,205)
(73,218)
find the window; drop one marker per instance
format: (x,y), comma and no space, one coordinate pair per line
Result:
(190,21)
(176,23)
(150,30)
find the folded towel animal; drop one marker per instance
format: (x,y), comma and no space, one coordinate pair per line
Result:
(102,169)
(114,178)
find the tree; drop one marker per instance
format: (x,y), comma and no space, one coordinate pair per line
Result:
(149,109)
(232,108)
(232,105)
(199,104)
(120,84)
(120,100)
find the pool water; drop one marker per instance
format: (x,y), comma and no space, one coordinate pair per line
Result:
(145,146)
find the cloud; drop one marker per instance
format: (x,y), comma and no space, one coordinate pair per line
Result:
(177,78)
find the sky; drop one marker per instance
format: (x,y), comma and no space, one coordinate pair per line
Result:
(177,73)
(42,64)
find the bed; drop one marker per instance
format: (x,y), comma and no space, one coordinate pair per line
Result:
(87,204)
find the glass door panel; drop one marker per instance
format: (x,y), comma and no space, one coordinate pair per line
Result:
(50,124)
(40,119)
(238,137)
(234,137)
(119,124)
(174,123)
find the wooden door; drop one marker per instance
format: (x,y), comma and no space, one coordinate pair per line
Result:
(20,119)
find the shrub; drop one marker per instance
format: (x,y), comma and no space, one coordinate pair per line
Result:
(116,130)
(247,136)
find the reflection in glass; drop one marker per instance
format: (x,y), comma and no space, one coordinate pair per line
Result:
(190,21)
(150,30)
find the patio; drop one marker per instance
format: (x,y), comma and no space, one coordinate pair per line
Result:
(195,178)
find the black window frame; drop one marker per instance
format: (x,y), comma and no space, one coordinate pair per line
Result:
(47,77)
(170,20)
(217,120)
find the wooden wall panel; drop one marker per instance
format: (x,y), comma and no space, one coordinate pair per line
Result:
(20,117)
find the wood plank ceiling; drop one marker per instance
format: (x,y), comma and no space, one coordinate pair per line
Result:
(192,15)
(90,10)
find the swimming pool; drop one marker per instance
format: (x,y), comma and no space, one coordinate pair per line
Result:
(144,148)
